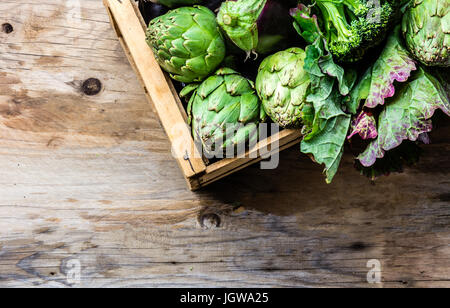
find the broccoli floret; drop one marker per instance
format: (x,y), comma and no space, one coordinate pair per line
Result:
(357,7)
(354,26)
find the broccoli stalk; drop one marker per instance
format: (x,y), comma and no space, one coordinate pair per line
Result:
(353,26)
(342,36)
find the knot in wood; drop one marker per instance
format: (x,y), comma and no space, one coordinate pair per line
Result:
(91,86)
(7,28)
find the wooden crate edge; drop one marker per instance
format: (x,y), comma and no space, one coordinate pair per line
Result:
(166,103)
(196,172)
(285,139)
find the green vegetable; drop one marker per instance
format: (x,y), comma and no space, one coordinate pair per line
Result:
(282,85)
(352,27)
(426,26)
(325,123)
(238,20)
(224,112)
(187,43)
(408,108)
(365,126)
(319,62)
(407,115)
(175,3)
(377,84)
(327,133)
(255,26)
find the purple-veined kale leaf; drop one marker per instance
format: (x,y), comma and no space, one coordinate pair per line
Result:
(377,84)
(365,126)
(407,115)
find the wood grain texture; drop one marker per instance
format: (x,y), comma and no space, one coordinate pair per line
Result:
(92,178)
(126,22)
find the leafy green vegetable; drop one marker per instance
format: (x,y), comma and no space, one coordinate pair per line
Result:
(377,84)
(365,126)
(351,27)
(407,116)
(319,61)
(305,23)
(325,123)
(328,131)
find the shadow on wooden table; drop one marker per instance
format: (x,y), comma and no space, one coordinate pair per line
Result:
(300,185)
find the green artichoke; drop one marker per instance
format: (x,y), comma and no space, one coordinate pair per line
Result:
(255,26)
(224,112)
(426,26)
(282,85)
(187,43)
(176,3)
(239,20)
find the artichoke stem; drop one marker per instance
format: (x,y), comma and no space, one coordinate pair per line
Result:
(255,54)
(250,53)
(227,19)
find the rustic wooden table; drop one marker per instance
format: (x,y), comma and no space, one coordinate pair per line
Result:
(87,179)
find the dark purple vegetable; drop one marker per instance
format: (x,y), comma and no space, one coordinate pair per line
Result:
(213,5)
(150,10)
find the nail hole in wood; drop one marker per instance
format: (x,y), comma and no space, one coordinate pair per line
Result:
(7,28)
(210,221)
(91,86)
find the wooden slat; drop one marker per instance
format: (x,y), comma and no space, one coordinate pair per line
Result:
(262,148)
(165,103)
(285,139)
(169,81)
(211,177)
(129,56)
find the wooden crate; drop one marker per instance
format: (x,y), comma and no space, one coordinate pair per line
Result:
(130,28)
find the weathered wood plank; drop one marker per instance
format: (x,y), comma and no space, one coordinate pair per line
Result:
(123,16)
(91,178)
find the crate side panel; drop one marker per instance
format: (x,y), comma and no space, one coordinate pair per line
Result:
(164,100)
